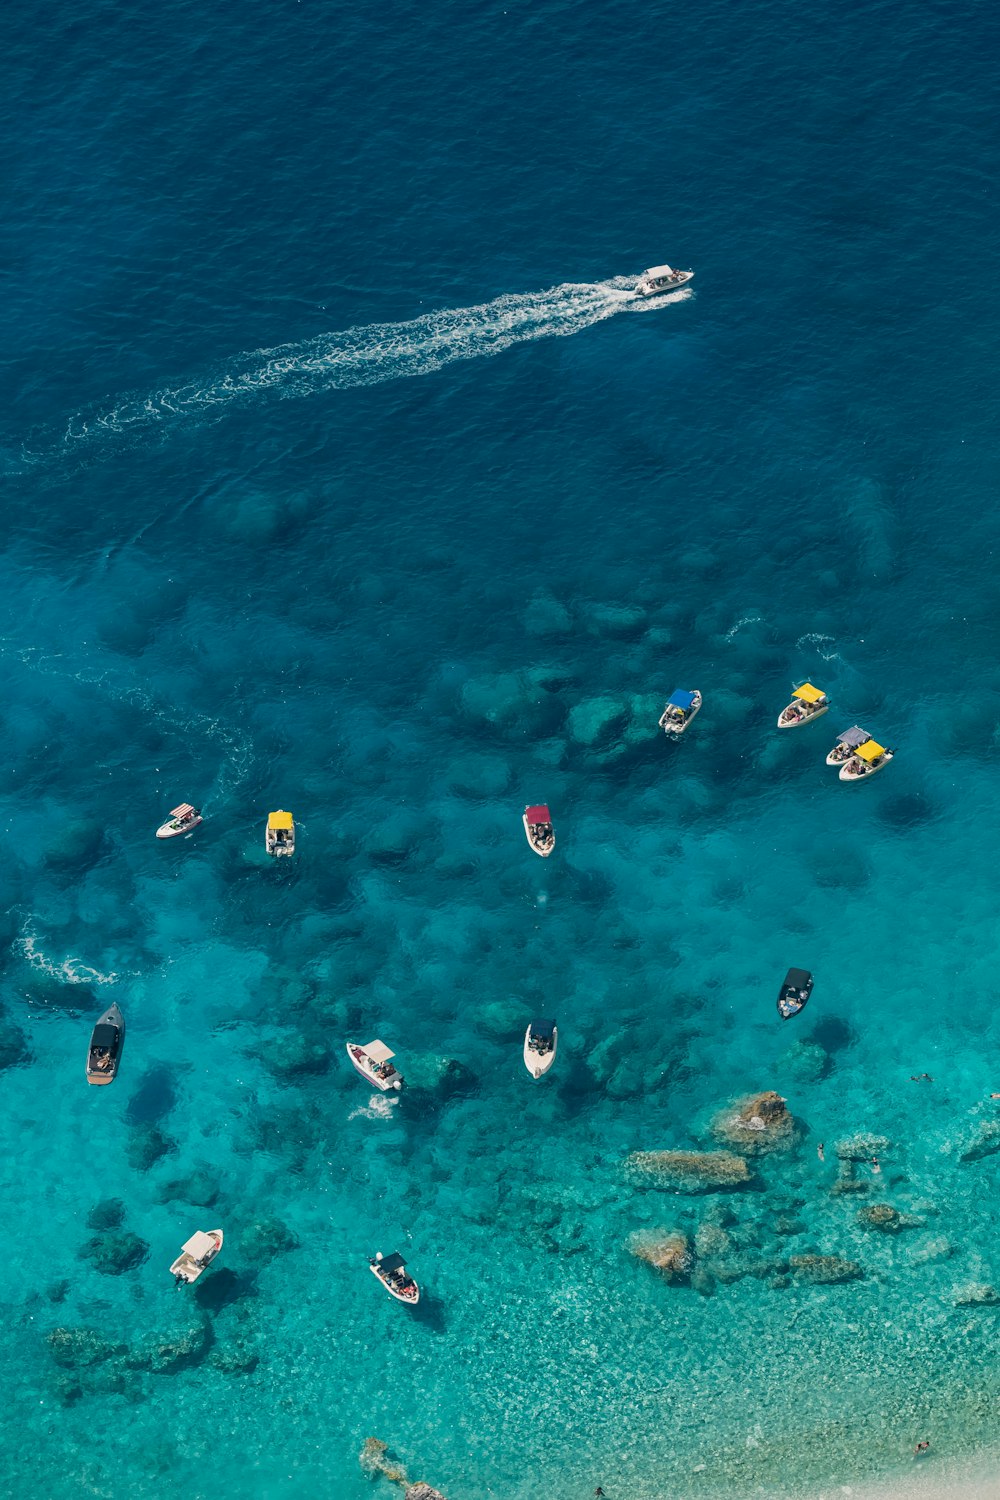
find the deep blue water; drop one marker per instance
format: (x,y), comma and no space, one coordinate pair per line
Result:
(343,473)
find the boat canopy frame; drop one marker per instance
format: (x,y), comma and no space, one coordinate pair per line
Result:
(390,1263)
(870,750)
(853,737)
(797,979)
(544,1030)
(280,820)
(809,694)
(378,1052)
(680,699)
(538,814)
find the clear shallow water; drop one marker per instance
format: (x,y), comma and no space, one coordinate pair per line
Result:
(390,604)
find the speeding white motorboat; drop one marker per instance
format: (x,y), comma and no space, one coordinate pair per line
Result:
(680,710)
(866,760)
(182,820)
(394,1276)
(373,1062)
(846,745)
(807,703)
(197,1254)
(279,835)
(659,279)
(540,1042)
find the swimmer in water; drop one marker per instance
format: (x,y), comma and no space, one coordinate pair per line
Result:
(875,1165)
(921,1448)
(819,1152)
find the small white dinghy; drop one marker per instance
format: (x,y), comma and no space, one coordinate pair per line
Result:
(866,760)
(394,1276)
(540,1042)
(660,279)
(807,703)
(197,1255)
(538,829)
(279,835)
(680,710)
(373,1062)
(183,819)
(846,745)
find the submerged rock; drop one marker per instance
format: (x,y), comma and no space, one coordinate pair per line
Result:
(884,1217)
(422,1491)
(806,1062)
(756,1124)
(688,1171)
(861,1147)
(986,1143)
(599,721)
(148,1145)
(669,1250)
(712,1239)
(443,1077)
(109,1213)
(938,1248)
(114,1252)
(187,1349)
(824,1270)
(76,1348)
(377,1458)
(502,1020)
(978,1294)
(265,1240)
(77,845)
(294,1054)
(234,1359)
(545,615)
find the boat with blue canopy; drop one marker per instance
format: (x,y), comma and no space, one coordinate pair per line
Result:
(680,710)
(846,745)
(866,760)
(807,703)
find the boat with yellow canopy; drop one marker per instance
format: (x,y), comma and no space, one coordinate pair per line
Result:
(279,835)
(866,760)
(807,703)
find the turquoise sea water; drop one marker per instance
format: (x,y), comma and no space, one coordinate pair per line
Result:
(343,474)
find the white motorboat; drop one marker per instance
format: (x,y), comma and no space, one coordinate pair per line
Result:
(279,835)
(846,745)
(540,1042)
(197,1255)
(373,1062)
(660,279)
(106,1042)
(538,829)
(393,1275)
(183,819)
(866,760)
(807,703)
(680,710)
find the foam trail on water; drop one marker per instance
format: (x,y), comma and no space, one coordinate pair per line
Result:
(67,971)
(377,352)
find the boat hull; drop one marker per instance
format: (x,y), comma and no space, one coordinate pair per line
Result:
(539,1063)
(803,719)
(397,1296)
(544,853)
(387,1085)
(646,288)
(670,727)
(99,1077)
(848,774)
(168,831)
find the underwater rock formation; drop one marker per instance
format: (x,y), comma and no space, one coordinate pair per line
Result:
(756,1124)
(979,1294)
(293,1054)
(422,1491)
(824,1270)
(109,1213)
(598,722)
(884,1217)
(688,1171)
(78,1348)
(262,1241)
(986,1143)
(443,1077)
(861,1147)
(669,1250)
(147,1146)
(377,1458)
(805,1062)
(181,1351)
(114,1252)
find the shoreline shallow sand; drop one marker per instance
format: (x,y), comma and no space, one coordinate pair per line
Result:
(950,1482)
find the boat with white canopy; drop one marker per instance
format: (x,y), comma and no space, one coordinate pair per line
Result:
(846,745)
(197,1254)
(540,1042)
(374,1062)
(807,703)
(866,760)
(279,835)
(183,819)
(660,279)
(680,710)
(394,1276)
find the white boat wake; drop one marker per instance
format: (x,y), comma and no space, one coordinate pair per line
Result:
(377,352)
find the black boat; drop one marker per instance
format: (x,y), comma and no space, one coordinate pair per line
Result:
(794,993)
(106,1042)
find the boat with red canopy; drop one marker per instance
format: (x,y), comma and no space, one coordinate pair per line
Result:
(182,820)
(538,829)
